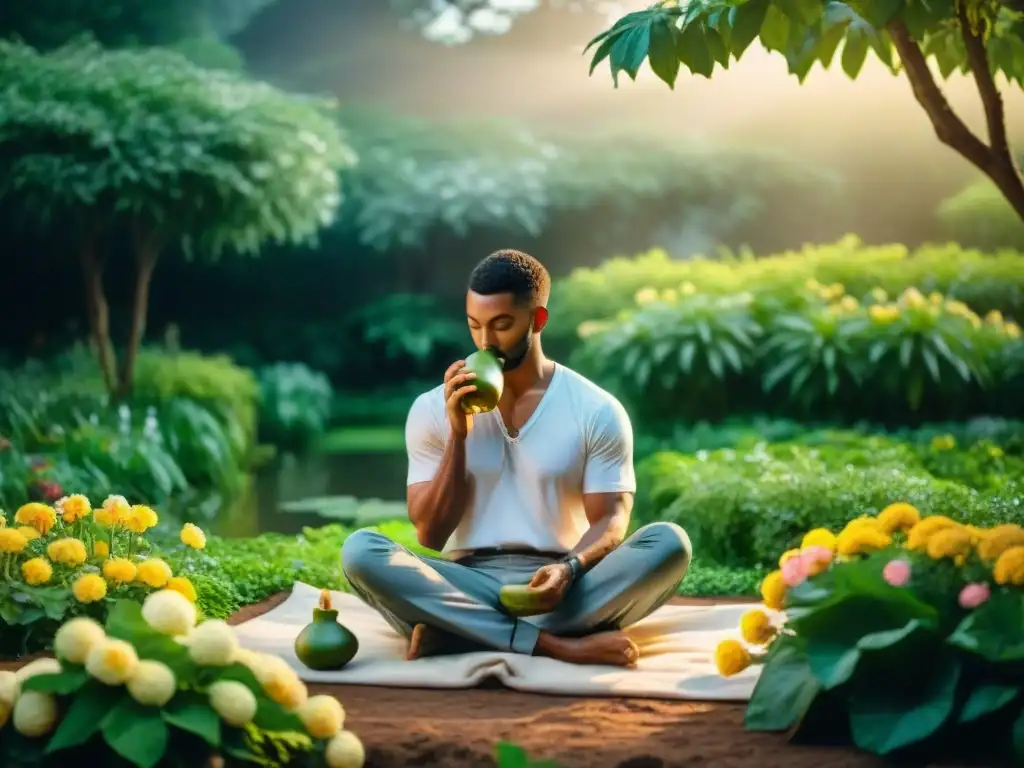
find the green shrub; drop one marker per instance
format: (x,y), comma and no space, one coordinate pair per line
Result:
(213,381)
(388,405)
(295,405)
(985,281)
(810,354)
(980,216)
(742,508)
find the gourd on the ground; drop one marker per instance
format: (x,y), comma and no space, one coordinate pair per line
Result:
(325,643)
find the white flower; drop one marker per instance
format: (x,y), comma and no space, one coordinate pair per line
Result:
(112,662)
(233,701)
(169,612)
(153,683)
(76,638)
(212,644)
(345,751)
(35,713)
(9,687)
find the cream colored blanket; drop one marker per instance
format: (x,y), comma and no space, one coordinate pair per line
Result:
(676,647)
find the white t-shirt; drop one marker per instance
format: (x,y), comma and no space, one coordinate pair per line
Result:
(529,492)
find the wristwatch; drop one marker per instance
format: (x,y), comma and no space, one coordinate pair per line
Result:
(575,567)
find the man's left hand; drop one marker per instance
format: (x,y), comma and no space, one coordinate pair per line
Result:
(551,582)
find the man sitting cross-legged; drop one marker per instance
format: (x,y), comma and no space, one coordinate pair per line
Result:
(537,491)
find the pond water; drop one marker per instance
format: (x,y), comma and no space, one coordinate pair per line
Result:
(317,489)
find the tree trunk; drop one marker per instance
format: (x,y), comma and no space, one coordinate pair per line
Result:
(96,307)
(994,159)
(147,251)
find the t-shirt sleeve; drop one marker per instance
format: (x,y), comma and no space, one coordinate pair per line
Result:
(609,466)
(424,441)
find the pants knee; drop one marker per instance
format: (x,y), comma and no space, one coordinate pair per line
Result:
(670,546)
(362,554)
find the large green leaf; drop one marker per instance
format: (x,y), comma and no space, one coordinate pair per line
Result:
(785,689)
(135,732)
(993,631)
(887,716)
(987,699)
(191,712)
(662,55)
(692,50)
(82,720)
(61,683)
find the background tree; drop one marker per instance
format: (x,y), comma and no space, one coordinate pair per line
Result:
(179,158)
(982,37)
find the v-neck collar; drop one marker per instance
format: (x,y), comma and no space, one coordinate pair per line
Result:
(556,376)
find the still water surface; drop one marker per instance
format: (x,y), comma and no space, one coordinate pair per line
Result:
(264,508)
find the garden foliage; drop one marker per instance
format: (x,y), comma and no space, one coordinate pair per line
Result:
(904,631)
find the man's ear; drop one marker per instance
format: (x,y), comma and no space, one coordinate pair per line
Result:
(540,319)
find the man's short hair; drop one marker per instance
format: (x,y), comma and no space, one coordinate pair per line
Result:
(515,272)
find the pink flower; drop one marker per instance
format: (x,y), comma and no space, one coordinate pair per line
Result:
(974,595)
(794,571)
(816,559)
(897,572)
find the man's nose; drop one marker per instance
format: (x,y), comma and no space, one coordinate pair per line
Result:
(487,339)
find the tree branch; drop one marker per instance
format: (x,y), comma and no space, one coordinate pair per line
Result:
(950,129)
(991,100)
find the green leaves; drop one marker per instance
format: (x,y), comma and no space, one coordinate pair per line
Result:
(191,712)
(785,689)
(136,733)
(61,683)
(993,631)
(83,718)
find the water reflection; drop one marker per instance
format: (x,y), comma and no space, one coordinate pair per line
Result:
(289,479)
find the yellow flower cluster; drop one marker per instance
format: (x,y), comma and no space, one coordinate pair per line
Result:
(115,662)
(69,541)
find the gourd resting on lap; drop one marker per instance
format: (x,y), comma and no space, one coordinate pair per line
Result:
(461,598)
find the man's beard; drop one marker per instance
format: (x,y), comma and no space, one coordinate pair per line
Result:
(514,357)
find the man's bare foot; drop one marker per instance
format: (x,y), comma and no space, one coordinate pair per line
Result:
(614,648)
(418,641)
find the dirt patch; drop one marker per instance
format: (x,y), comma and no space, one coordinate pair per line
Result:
(458,729)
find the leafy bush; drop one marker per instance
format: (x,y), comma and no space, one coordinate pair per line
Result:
(225,389)
(386,405)
(741,508)
(60,430)
(905,627)
(808,354)
(295,404)
(984,281)
(980,217)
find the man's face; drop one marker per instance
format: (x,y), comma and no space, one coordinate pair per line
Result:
(498,321)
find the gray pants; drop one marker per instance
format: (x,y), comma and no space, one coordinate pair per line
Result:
(459,600)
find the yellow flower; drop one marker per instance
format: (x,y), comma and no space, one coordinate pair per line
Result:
(670,296)
(183,586)
(787,555)
(76,638)
(917,537)
(154,572)
(731,658)
(994,542)
(88,588)
(813,285)
(3,519)
(101,549)
(280,682)
(112,661)
(773,591)
(36,571)
(74,507)
(345,751)
(1012,330)
(646,296)
(819,537)
(913,297)
(115,511)
(860,538)
(212,644)
(30,533)
(169,612)
(849,304)
(34,713)
(687,289)
(898,517)
(12,541)
(233,702)
(322,716)
(883,314)
(943,443)
(935,298)
(995,317)
(1009,567)
(141,519)
(879,296)
(119,570)
(67,551)
(193,536)
(955,542)
(40,516)
(9,687)
(153,683)
(757,628)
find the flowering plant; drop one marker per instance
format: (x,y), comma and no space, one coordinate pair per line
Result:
(903,633)
(154,688)
(68,560)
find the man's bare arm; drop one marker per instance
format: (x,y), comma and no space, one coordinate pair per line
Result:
(436,506)
(608,514)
